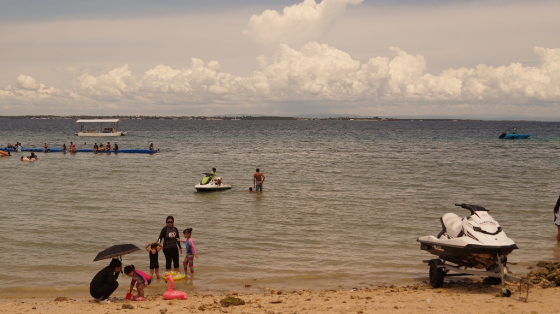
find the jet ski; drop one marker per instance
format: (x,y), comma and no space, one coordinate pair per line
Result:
(208,184)
(476,241)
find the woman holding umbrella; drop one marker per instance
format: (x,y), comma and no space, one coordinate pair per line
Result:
(105,282)
(170,234)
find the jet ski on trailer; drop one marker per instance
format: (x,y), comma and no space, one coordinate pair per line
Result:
(476,241)
(209,184)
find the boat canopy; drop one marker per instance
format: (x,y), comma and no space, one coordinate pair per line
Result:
(98,120)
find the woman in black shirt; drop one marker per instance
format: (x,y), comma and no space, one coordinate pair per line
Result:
(170,234)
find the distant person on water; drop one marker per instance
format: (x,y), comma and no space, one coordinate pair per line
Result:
(108,147)
(95,147)
(258,180)
(105,282)
(116,147)
(250,190)
(218,181)
(151,147)
(190,251)
(140,278)
(72,147)
(171,239)
(101,146)
(64,147)
(557,218)
(32,155)
(153,250)
(46,148)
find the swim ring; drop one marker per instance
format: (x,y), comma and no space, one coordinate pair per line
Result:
(175,275)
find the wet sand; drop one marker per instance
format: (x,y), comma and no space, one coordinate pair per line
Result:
(454,297)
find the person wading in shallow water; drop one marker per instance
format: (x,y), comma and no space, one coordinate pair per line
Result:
(171,238)
(258,180)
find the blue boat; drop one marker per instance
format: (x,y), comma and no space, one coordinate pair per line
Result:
(512,135)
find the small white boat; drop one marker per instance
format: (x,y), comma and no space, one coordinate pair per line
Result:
(207,184)
(98,128)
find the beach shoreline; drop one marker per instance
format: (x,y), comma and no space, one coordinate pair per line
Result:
(461,296)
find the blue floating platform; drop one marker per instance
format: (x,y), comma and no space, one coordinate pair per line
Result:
(513,136)
(89,150)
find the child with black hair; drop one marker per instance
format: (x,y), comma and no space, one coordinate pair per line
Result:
(190,250)
(140,278)
(153,250)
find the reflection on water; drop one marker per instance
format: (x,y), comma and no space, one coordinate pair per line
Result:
(343,201)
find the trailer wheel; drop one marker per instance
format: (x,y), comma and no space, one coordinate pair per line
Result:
(436,274)
(506,293)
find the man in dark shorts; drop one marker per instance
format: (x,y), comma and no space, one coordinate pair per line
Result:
(258,180)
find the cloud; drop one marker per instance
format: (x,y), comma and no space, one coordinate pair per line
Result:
(298,23)
(26,90)
(316,73)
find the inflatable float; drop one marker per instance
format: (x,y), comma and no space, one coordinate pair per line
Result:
(170,294)
(3,153)
(27,159)
(175,275)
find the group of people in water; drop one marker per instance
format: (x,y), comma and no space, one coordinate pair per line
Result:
(104,283)
(104,148)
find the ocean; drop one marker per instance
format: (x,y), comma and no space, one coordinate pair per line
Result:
(343,201)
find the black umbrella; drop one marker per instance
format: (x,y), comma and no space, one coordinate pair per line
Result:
(116,251)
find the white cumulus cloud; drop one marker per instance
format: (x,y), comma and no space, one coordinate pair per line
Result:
(27,90)
(298,23)
(316,73)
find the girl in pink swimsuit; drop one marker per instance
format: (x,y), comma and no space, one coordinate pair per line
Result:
(140,278)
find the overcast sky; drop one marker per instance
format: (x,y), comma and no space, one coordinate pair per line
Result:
(279,57)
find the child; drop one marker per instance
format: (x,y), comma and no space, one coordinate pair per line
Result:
(153,250)
(141,279)
(191,250)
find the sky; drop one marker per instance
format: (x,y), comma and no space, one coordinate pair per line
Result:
(459,58)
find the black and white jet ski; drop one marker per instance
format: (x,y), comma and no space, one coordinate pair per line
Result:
(208,184)
(476,241)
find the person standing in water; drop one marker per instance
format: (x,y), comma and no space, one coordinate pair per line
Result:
(258,180)
(171,239)
(153,250)
(190,251)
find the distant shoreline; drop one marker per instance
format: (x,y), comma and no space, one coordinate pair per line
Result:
(234,118)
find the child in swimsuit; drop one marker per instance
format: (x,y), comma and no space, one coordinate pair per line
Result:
(153,249)
(140,278)
(191,250)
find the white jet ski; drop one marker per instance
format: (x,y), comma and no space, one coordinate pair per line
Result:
(208,184)
(476,241)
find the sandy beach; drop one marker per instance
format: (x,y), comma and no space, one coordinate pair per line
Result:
(466,296)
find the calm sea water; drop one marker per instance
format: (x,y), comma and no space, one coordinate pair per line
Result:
(343,201)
